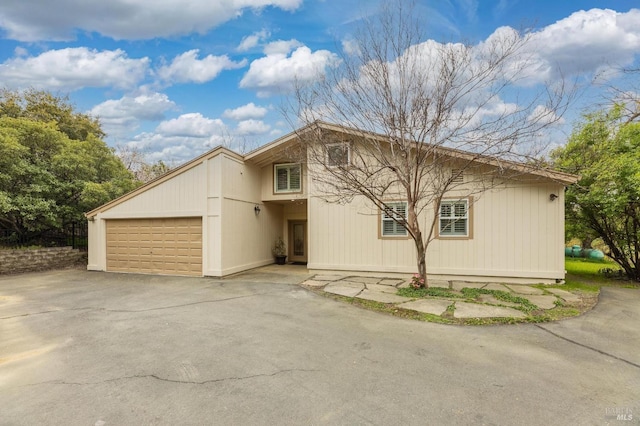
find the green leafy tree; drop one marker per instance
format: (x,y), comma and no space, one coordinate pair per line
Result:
(53,164)
(605,151)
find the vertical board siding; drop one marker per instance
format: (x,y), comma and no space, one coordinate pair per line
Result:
(517,232)
(183,193)
(246,237)
(213,237)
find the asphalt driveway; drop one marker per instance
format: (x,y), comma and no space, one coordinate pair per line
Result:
(83,348)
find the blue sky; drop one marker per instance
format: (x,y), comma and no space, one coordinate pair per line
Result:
(176,78)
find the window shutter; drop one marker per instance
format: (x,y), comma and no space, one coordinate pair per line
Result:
(282,180)
(294,178)
(390,228)
(288,177)
(460,226)
(454,219)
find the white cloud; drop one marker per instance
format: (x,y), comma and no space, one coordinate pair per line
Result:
(73,69)
(187,68)
(350,47)
(544,115)
(586,42)
(245,112)
(173,149)
(182,138)
(119,116)
(281,47)
(122,19)
(191,125)
(249,42)
(252,127)
(20,52)
(277,71)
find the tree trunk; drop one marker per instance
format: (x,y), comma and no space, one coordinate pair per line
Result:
(422,263)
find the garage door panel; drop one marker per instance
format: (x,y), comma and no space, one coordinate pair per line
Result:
(159,246)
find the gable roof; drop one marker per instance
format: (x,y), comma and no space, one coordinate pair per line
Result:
(165,177)
(266,152)
(555,175)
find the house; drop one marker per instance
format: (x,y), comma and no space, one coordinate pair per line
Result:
(221,212)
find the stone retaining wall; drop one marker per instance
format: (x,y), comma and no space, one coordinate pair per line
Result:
(30,260)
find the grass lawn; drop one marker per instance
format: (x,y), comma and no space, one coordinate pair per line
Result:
(583,274)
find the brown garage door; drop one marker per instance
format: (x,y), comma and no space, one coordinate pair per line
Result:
(155,246)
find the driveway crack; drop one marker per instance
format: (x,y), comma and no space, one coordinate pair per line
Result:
(588,347)
(164,379)
(199,302)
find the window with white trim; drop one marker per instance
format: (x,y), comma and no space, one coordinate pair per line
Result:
(389,227)
(287,178)
(454,218)
(338,154)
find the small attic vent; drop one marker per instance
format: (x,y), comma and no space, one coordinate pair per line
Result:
(457,176)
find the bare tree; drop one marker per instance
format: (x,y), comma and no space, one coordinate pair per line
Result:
(136,162)
(628,98)
(423,121)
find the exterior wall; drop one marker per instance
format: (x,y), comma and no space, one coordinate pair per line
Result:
(246,237)
(212,226)
(345,237)
(182,196)
(517,233)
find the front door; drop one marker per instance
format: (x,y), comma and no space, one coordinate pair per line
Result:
(298,241)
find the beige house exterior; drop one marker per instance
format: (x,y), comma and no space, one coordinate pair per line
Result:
(221,213)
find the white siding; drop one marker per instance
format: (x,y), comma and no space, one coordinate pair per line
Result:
(212,226)
(246,237)
(517,232)
(183,195)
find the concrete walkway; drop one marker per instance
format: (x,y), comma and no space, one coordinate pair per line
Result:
(384,290)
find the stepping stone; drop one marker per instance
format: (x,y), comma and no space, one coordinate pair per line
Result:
(404,284)
(382,288)
(438,283)
(344,288)
(494,286)
(488,298)
(364,280)
(544,302)
(459,285)
(381,297)
(328,277)
(314,283)
(565,295)
(524,289)
(428,306)
(391,281)
(473,310)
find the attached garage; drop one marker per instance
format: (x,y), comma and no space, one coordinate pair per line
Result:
(168,246)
